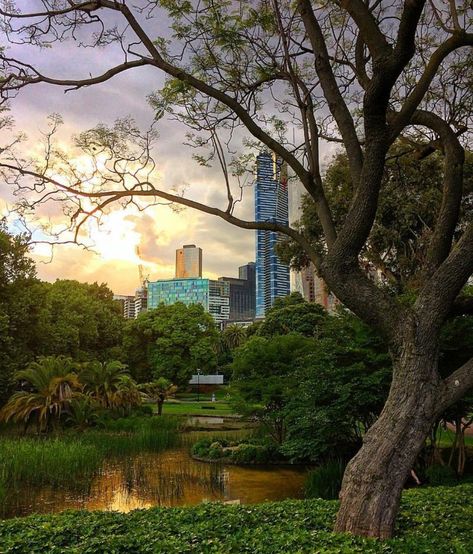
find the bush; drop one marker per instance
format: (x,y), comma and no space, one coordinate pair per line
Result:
(440,475)
(143,410)
(250,453)
(201,448)
(325,481)
(435,520)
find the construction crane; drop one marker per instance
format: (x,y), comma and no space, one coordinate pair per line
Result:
(144,278)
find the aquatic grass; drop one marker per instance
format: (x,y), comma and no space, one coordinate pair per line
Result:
(135,434)
(47,462)
(72,459)
(3,490)
(325,481)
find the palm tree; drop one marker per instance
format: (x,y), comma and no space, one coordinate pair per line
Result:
(110,384)
(159,391)
(126,394)
(234,336)
(82,412)
(49,385)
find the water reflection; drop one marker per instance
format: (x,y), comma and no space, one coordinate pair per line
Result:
(171,478)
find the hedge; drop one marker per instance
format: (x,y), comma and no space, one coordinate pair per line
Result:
(436,520)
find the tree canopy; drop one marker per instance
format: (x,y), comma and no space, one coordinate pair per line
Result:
(171,341)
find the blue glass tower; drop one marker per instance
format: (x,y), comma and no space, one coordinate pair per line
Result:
(271,204)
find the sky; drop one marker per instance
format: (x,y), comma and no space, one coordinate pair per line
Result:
(157,231)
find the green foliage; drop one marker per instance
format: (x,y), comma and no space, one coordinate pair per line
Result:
(20,303)
(398,239)
(49,387)
(342,389)
(305,318)
(80,320)
(246,451)
(325,481)
(171,341)
(440,475)
(158,391)
(252,453)
(110,385)
(432,520)
(263,378)
(65,318)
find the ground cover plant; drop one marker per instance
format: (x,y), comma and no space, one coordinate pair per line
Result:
(431,520)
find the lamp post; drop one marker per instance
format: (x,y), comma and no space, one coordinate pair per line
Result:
(198,387)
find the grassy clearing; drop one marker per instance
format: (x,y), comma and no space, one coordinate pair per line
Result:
(198,408)
(434,520)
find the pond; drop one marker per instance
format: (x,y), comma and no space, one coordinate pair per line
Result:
(170,478)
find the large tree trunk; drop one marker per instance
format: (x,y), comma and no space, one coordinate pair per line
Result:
(374,479)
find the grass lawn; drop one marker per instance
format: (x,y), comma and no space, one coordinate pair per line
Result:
(198,408)
(220,394)
(447,436)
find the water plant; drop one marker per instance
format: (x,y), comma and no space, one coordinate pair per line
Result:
(325,481)
(47,462)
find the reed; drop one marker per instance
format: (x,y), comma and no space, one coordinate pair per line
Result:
(133,435)
(325,481)
(51,462)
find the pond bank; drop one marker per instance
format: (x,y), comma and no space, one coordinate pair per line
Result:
(286,527)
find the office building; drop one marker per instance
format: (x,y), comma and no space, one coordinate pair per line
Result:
(127,304)
(271,204)
(132,306)
(141,301)
(188,262)
(213,295)
(242,293)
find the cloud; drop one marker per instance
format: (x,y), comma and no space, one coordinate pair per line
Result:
(157,231)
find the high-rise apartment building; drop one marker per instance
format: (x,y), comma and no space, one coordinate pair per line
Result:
(127,304)
(188,262)
(271,204)
(242,293)
(133,306)
(213,295)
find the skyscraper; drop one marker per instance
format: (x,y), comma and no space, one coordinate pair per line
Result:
(188,262)
(271,204)
(242,293)
(213,295)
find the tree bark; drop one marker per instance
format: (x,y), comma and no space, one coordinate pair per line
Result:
(374,478)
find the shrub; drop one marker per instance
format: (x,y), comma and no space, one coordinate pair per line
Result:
(201,448)
(247,453)
(441,475)
(325,481)
(215,451)
(143,410)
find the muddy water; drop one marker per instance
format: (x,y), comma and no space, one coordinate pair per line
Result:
(171,478)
